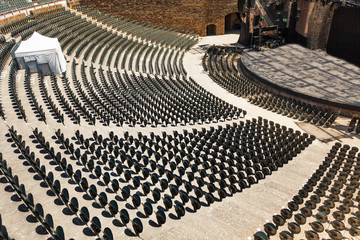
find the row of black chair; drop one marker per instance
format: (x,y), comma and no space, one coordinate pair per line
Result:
(32,97)
(354,125)
(100,198)
(157,35)
(75,100)
(232,79)
(55,187)
(163,40)
(127,105)
(4,54)
(28,200)
(136,110)
(13,91)
(166,164)
(48,99)
(63,193)
(329,198)
(62,100)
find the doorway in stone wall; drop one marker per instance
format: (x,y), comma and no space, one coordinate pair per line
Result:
(232,23)
(211,30)
(344,36)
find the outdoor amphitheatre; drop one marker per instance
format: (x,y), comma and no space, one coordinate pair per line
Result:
(186,119)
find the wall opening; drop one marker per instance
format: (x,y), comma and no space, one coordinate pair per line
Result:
(211,30)
(344,37)
(232,22)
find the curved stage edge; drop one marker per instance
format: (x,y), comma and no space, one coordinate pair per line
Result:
(344,109)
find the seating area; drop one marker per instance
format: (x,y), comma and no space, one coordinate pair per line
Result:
(167,85)
(44,1)
(127,143)
(7,5)
(120,173)
(354,125)
(27,198)
(221,64)
(327,205)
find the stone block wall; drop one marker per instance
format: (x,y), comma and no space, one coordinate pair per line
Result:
(319,25)
(314,22)
(192,15)
(302,24)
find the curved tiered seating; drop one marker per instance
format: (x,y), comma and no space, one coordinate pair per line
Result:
(14,5)
(96,159)
(4,54)
(219,62)
(33,100)
(115,96)
(141,37)
(116,99)
(13,92)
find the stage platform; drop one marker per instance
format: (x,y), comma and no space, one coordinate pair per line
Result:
(309,74)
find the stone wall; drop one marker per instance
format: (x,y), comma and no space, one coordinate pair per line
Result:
(313,23)
(319,25)
(192,15)
(302,25)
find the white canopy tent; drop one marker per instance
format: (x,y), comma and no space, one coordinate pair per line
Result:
(41,53)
